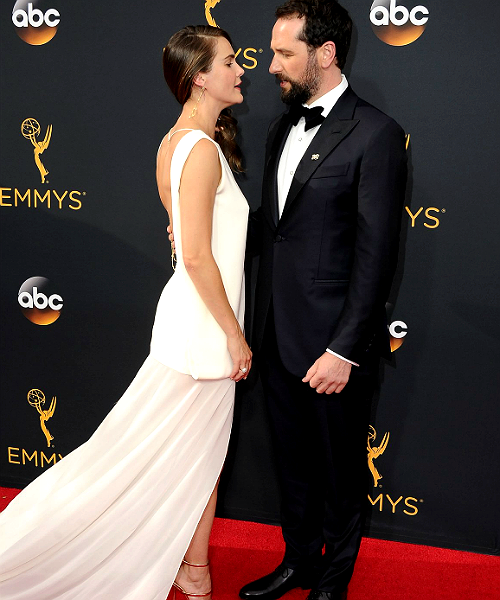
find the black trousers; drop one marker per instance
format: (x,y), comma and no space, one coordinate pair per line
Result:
(321,452)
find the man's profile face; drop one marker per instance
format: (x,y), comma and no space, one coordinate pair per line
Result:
(294,64)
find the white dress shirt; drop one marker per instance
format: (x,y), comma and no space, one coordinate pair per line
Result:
(298,140)
(296,144)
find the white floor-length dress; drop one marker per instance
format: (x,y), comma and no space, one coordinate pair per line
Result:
(113,519)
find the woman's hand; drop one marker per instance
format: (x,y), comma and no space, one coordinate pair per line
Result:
(240,354)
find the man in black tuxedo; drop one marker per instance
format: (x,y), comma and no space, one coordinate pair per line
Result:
(333,194)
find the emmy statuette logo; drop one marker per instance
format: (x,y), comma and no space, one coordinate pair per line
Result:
(41,459)
(36,398)
(397,25)
(36,22)
(33,197)
(30,128)
(374,452)
(209,4)
(386,501)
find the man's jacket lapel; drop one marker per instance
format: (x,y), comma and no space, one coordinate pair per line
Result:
(337,125)
(276,140)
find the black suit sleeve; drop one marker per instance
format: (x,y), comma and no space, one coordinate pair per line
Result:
(254,233)
(381,191)
(256,217)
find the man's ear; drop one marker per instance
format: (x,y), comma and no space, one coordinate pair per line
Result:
(327,53)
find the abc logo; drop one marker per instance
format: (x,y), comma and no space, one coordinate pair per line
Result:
(397,331)
(38,303)
(395,24)
(36,22)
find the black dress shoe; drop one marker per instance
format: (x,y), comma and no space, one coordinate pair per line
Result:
(273,586)
(320,595)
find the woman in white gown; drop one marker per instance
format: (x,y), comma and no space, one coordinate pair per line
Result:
(128,514)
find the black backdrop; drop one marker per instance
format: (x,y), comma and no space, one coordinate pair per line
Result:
(101,247)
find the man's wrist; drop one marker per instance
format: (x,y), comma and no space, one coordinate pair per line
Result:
(342,357)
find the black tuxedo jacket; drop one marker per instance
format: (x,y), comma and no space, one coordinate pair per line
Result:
(327,264)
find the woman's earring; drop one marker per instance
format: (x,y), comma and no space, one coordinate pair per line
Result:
(193,112)
(173,256)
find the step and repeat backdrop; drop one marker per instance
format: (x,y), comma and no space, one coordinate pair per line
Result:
(85,254)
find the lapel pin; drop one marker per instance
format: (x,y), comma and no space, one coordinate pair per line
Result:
(315,157)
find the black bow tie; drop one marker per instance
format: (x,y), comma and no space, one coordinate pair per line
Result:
(312,116)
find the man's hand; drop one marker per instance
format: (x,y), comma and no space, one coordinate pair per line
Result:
(328,374)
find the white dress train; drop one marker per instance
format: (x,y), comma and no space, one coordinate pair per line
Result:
(113,519)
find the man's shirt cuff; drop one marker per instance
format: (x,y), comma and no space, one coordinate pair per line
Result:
(341,357)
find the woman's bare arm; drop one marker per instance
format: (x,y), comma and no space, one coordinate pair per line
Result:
(199,181)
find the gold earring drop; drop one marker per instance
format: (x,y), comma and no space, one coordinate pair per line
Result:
(193,112)
(173,256)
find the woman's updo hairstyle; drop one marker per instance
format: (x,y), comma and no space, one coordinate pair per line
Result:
(189,51)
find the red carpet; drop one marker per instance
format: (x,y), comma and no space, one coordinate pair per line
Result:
(242,551)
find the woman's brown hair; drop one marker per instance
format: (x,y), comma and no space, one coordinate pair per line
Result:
(188,52)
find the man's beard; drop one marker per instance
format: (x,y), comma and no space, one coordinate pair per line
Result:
(304,89)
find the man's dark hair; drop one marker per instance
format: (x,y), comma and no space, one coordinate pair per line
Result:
(325,21)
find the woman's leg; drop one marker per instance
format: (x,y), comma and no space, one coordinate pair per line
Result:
(196,580)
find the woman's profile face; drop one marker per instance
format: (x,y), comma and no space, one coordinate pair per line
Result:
(222,82)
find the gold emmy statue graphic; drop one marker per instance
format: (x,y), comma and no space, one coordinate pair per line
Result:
(209,4)
(30,129)
(374,452)
(36,398)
